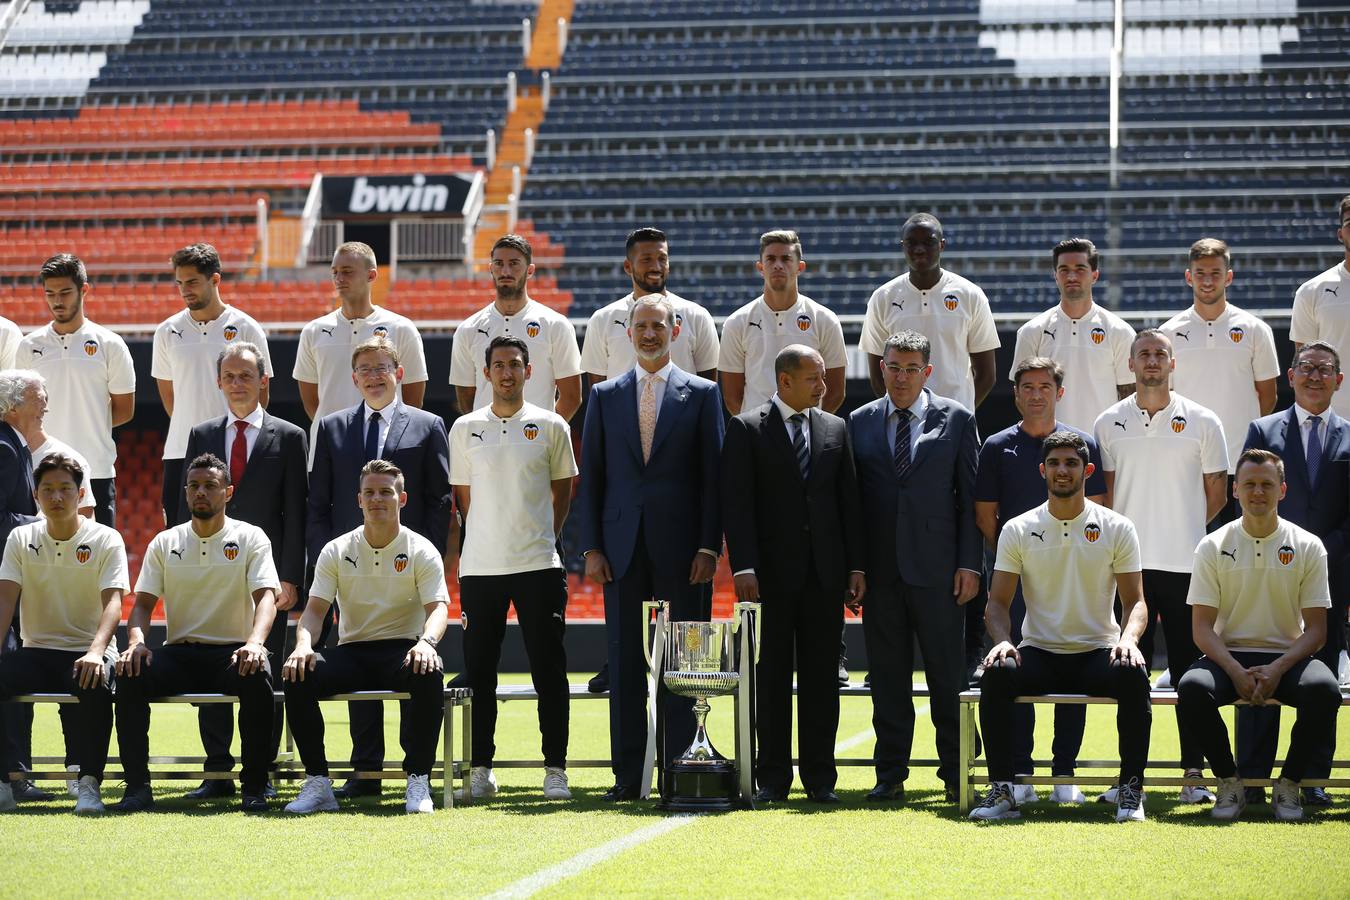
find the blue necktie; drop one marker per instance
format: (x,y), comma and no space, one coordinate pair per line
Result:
(1314,453)
(799,444)
(902,451)
(373,437)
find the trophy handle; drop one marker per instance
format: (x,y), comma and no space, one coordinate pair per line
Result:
(653,649)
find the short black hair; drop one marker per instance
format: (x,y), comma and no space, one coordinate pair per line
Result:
(1074,245)
(642,235)
(504,340)
(517,243)
(203,257)
(209,461)
(64,265)
(925,220)
(59,461)
(1069,439)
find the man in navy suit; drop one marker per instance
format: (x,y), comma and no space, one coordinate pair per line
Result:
(1314,443)
(648,506)
(383,427)
(916,455)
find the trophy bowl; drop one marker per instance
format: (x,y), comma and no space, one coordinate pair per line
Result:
(700,663)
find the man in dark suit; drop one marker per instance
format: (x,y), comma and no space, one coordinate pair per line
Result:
(649,524)
(267,458)
(915,454)
(791,511)
(383,427)
(1314,443)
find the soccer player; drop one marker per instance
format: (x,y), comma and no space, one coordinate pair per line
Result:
(90,380)
(1259,601)
(1090,343)
(1322,306)
(777,318)
(950,311)
(1071,558)
(72,572)
(219,587)
(183,362)
(389,583)
(10,335)
(1166,465)
(513,462)
(323,359)
(550,337)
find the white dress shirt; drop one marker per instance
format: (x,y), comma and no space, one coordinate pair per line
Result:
(254,420)
(386,415)
(658,388)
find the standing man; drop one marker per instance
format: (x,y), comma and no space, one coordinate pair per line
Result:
(1166,465)
(1008,483)
(1259,600)
(72,572)
(10,336)
(1071,558)
(950,311)
(513,462)
(550,337)
(381,427)
(90,378)
(323,359)
(794,537)
(1313,443)
(390,583)
(267,469)
(649,524)
(777,318)
(1091,344)
(1225,356)
(916,454)
(1322,305)
(183,362)
(219,588)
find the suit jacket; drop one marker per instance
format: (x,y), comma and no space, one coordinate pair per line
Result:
(921,530)
(271,495)
(780,524)
(1323,508)
(672,498)
(416,443)
(17,506)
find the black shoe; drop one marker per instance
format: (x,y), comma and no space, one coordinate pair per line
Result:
(599,682)
(358,787)
(136,799)
(867,680)
(949,794)
(1256,796)
(843,674)
(459,681)
(27,792)
(1316,796)
(769,795)
(253,803)
(886,791)
(269,791)
(619,792)
(822,796)
(212,789)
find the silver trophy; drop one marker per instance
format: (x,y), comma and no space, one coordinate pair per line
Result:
(701,663)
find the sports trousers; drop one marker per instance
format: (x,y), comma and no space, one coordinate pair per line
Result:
(88,727)
(1165,593)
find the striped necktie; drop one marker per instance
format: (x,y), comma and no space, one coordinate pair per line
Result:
(1314,452)
(902,451)
(799,444)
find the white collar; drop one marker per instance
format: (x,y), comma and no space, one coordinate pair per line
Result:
(1304,415)
(786,411)
(662,373)
(918,409)
(386,414)
(254,418)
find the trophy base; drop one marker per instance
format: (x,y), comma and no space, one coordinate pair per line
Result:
(701,787)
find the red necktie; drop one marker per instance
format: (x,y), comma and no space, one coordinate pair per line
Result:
(238,453)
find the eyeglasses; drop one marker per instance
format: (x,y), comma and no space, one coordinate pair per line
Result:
(907,371)
(1326,370)
(363,371)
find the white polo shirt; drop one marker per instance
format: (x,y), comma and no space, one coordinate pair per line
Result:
(62,582)
(1068,571)
(509,466)
(607,350)
(383,591)
(324,357)
(548,334)
(208,583)
(753,335)
(52,445)
(1322,313)
(1160,464)
(1218,365)
(1260,586)
(185,353)
(1094,352)
(10,335)
(953,314)
(83,369)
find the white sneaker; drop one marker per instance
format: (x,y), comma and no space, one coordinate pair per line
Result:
(88,802)
(998,803)
(1131,804)
(419,794)
(1067,793)
(1343,669)
(1287,801)
(482,782)
(1025,793)
(1195,793)
(7,797)
(1163,681)
(1110,795)
(72,783)
(1230,801)
(555,784)
(316,795)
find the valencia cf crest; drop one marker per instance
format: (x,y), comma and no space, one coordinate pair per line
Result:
(1097,334)
(380,331)
(803,322)
(82,553)
(1092,531)
(231,550)
(230,332)
(1178,424)
(1235,334)
(400,563)
(532,329)
(90,347)
(951,301)
(531,431)
(1286,555)
(679,320)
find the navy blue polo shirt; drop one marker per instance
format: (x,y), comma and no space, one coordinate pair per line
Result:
(1010,471)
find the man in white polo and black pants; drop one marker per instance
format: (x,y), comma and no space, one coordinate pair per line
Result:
(512,467)
(389,583)
(1259,601)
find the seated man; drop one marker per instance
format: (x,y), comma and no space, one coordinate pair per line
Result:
(219,587)
(1072,556)
(389,584)
(1259,601)
(72,572)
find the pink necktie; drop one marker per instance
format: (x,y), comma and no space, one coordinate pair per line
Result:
(647,416)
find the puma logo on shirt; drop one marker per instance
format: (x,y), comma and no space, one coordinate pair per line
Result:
(1038,535)
(350,560)
(1231,554)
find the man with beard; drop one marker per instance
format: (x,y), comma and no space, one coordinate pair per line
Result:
(1322,306)
(552,341)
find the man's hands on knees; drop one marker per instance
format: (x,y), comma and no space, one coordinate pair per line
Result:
(299,663)
(423,658)
(1126,653)
(1003,655)
(132,658)
(249,658)
(89,670)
